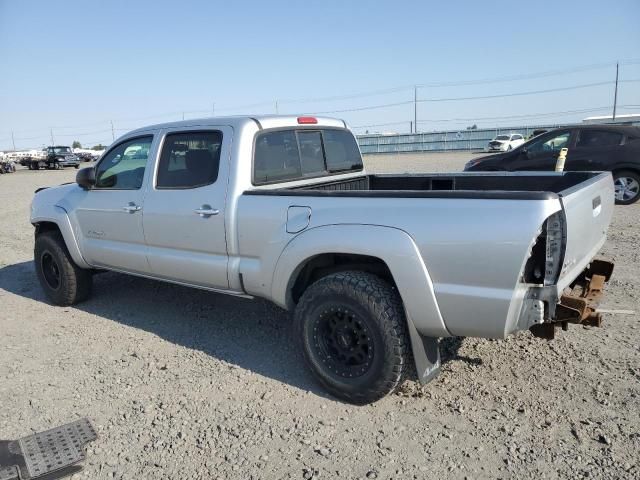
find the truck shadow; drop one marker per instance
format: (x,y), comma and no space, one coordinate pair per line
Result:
(252,334)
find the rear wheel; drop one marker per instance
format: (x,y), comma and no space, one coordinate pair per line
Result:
(62,280)
(354,337)
(627,187)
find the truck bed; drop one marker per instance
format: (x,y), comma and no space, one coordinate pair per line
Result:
(474,232)
(507,185)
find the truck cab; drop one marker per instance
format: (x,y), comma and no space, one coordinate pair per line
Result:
(61,156)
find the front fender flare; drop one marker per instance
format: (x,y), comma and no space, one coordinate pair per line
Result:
(393,246)
(58,215)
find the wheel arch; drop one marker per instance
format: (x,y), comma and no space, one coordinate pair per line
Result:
(385,251)
(316,267)
(626,168)
(56,219)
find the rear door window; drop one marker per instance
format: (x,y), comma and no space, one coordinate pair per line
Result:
(598,138)
(189,160)
(284,155)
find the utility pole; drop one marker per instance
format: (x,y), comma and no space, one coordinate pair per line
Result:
(113,135)
(276,107)
(52,140)
(182,115)
(615,95)
(410,127)
(13,141)
(415,109)
(213,109)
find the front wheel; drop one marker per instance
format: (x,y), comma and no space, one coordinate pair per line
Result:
(62,280)
(353,333)
(627,187)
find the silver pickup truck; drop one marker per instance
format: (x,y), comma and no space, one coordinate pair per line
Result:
(375,268)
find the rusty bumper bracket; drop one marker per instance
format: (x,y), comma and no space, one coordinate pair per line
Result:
(579,304)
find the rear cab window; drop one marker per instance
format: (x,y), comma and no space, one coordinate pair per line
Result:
(295,154)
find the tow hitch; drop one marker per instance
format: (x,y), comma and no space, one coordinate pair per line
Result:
(46,455)
(579,306)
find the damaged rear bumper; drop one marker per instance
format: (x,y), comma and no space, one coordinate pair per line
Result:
(578,304)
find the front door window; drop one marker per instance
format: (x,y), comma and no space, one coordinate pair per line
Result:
(551,144)
(123,167)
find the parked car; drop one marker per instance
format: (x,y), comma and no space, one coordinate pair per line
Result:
(278,207)
(85,156)
(503,143)
(536,132)
(54,158)
(611,148)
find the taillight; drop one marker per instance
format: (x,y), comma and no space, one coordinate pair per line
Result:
(554,248)
(307,120)
(545,258)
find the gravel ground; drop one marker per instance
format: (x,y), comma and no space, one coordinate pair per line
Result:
(187,384)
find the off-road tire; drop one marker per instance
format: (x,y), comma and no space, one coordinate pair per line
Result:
(377,305)
(74,283)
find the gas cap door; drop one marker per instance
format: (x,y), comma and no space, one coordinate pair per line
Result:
(298,218)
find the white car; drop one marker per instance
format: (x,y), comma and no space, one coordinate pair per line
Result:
(503,143)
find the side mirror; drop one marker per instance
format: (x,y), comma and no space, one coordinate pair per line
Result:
(524,152)
(86,178)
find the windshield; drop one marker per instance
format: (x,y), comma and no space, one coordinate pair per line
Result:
(61,150)
(502,137)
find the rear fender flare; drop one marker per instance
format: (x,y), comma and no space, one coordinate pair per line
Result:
(393,246)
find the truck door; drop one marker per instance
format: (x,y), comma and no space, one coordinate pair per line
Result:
(542,153)
(184,217)
(109,216)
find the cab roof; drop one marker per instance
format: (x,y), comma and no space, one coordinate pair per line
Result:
(262,121)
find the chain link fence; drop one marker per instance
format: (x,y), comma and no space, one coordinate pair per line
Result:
(476,139)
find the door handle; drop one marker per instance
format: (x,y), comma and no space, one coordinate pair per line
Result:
(206,211)
(131,208)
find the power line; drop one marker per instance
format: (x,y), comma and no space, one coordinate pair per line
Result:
(504,117)
(525,76)
(483,81)
(502,79)
(515,117)
(481,97)
(379,92)
(381,124)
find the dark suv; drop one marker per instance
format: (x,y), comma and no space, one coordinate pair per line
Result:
(591,148)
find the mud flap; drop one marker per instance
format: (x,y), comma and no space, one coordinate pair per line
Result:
(46,455)
(426,354)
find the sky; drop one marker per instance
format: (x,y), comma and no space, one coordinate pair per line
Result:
(69,69)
